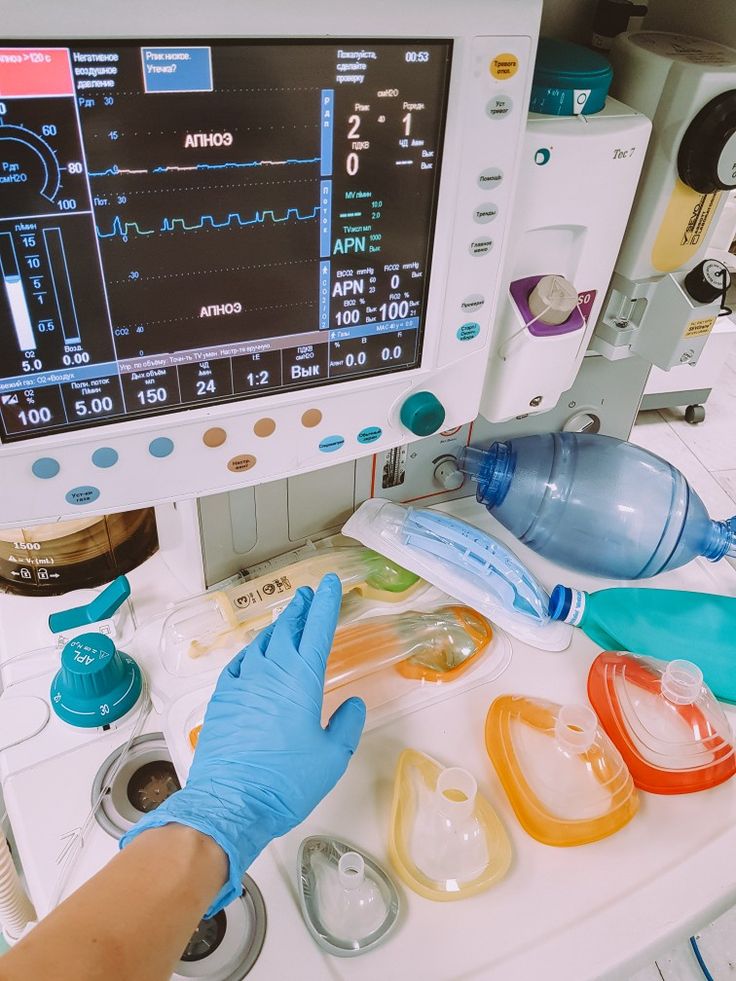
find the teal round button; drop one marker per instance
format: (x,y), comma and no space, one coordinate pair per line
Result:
(84,494)
(161,446)
(45,467)
(331,443)
(104,457)
(467,331)
(422,413)
(370,434)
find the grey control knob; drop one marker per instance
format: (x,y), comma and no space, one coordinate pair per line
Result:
(447,475)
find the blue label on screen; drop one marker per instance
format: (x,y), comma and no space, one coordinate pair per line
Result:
(325,218)
(324,295)
(177,69)
(328,109)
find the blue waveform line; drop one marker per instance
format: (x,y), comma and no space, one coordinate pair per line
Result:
(115,171)
(125,229)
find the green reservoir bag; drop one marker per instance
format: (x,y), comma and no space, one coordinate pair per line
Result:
(662,623)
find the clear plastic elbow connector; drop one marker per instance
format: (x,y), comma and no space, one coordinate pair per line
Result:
(348,901)
(446,841)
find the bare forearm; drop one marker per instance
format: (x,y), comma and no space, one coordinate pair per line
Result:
(157,889)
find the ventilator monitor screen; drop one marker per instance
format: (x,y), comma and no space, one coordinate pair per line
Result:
(189,223)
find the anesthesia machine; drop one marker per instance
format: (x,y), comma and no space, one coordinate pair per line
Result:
(257,270)
(666,295)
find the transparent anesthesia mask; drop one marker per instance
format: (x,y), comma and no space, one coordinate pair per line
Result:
(670,730)
(446,841)
(348,901)
(564,778)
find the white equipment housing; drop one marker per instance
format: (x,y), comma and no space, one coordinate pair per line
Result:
(577,183)
(196,448)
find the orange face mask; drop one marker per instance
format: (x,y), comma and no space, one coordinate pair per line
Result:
(566,781)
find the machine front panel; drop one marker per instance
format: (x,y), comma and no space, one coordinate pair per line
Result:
(230,260)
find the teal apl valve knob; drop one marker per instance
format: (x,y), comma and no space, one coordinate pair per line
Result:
(96,684)
(422,413)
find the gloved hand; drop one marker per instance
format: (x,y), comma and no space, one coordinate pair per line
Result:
(263,761)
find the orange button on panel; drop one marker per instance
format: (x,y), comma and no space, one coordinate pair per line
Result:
(264,427)
(504,65)
(214,437)
(241,463)
(311,418)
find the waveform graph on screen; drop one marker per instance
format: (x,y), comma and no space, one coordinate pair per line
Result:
(192,223)
(211,205)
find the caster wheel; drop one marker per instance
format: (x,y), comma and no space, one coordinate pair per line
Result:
(694,414)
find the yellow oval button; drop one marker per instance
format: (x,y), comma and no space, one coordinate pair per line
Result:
(504,65)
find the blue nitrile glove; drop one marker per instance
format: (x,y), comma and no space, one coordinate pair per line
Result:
(263,761)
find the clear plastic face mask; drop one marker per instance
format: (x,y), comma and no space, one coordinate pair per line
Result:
(348,901)
(446,840)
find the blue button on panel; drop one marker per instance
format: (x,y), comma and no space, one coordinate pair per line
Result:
(467,331)
(370,434)
(161,446)
(85,494)
(105,457)
(331,443)
(45,467)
